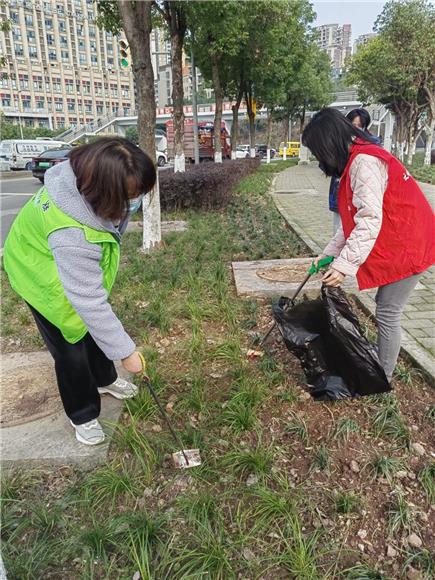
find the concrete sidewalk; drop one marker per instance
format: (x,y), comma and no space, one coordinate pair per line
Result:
(301,195)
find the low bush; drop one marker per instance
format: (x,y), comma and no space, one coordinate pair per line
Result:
(205,186)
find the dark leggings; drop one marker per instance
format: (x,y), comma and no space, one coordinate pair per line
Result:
(80,369)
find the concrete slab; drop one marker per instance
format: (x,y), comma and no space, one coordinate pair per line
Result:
(277,277)
(47,438)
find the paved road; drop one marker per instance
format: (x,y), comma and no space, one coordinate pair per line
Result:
(14,194)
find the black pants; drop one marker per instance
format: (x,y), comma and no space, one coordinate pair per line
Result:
(80,369)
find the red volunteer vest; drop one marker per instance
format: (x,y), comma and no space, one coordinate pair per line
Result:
(406,242)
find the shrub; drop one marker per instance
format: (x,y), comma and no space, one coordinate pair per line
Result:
(204,186)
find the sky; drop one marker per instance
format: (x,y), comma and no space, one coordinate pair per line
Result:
(361,14)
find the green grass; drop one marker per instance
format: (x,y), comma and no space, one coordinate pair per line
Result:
(400,516)
(252,509)
(426,478)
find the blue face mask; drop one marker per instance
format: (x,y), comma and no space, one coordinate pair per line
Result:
(135,204)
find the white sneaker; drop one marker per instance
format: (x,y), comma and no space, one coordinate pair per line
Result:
(121,389)
(90,433)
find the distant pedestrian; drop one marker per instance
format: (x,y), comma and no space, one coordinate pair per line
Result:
(62,257)
(361,119)
(387,236)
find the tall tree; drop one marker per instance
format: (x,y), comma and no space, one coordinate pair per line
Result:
(218,28)
(135,19)
(397,69)
(174,15)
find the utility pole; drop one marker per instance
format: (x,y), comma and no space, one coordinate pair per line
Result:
(195,110)
(19,113)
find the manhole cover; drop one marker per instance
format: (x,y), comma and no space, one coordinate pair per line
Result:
(28,392)
(291,273)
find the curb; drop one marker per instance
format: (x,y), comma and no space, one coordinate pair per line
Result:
(6,175)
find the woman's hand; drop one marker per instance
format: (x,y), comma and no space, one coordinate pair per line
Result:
(317,260)
(333,278)
(133,363)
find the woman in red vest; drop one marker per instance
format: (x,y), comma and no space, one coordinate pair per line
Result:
(387,238)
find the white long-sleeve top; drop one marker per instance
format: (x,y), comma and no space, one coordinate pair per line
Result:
(368,180)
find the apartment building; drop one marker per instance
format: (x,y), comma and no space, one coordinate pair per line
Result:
(362,40)
(62,70)
(335,40)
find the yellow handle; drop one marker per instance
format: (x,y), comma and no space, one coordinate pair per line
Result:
(144,364)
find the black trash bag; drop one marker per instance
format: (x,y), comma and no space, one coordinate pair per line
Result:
(338,361)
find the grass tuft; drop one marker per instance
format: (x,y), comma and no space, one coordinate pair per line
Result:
(386,466)
(346,502)
(427,479)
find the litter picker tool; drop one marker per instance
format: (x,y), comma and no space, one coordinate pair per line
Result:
(313,269)
(184,458)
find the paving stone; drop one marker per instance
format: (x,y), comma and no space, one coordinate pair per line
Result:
(311,219)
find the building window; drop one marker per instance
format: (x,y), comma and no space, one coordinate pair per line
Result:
(92,31)
(47,85)
(62,26)
(52,55)
(99,109)
(33,52)
(58,104)
(40,104)
(19,50)
(16,33)
(93,45)
(50,39)
(110,61)
(114,90)
(14,17)
(82,58)
(6,100)
(37,83)
(64,55)
(86,87)
(47,7)
(63,42)
(28,122)
(81,44)
(110,49)
(124,92)
(80,29)
(71,107)
(49,23)
(31,36)
(28,19)
(94,59)
(25,102)
(60,9)
(24,81)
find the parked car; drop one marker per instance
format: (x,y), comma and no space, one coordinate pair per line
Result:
(261,151)
(242,151)
(47,159)
(161,158)
(292,149)
(18,153)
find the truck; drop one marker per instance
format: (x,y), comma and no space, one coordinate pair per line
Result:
(205,138)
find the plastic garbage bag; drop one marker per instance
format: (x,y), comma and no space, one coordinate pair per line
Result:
(325,335)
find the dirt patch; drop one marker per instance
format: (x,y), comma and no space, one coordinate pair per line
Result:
(293,273)
(28,390)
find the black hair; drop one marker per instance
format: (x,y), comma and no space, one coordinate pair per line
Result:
(364,116)
(107,170)
(329,136)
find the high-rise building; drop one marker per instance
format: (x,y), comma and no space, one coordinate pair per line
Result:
(336,41)
(62,70)
(361,40)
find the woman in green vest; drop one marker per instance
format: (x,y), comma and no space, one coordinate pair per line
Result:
(62,257)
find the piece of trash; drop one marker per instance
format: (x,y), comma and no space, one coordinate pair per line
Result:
(253,354)
(192,455)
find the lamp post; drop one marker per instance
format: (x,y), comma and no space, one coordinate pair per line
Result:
(19,113)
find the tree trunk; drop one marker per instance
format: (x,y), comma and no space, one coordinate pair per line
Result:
(429,140)
(235,126)
(285,127)
(136,18)
(268,133)
(251,116)
(177,29)
(218,93)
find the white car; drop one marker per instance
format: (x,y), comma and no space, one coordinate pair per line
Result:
(161,158)
(242,151)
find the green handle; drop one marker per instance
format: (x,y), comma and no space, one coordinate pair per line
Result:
(321,264)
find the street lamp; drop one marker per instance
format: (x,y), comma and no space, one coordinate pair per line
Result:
(19,113)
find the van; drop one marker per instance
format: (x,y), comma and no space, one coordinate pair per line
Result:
(292,150)
(18,153)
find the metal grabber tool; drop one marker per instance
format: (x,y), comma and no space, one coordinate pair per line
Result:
(313,269)
(184,458)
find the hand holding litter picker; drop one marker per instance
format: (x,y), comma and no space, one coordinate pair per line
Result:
(184,458)
(313,269)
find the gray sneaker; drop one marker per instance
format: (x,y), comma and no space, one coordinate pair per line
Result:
(90,433)
(120,389)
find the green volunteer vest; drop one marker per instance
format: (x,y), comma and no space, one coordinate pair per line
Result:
(31,267)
